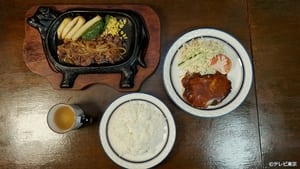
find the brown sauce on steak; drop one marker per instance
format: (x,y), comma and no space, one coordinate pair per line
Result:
(204,90)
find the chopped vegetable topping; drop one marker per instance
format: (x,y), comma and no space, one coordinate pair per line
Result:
(114,27)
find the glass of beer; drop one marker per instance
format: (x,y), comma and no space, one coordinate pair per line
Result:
(62,118)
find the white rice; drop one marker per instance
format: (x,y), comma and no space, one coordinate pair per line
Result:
(195,55)
(137,130)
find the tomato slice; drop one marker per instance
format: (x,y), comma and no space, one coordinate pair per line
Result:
(221,63)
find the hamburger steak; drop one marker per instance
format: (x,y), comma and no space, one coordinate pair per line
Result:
(204,90)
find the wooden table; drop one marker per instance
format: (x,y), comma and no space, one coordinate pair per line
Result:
(264,132)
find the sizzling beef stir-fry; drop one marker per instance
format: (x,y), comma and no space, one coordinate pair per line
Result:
(97,41)
(107,49)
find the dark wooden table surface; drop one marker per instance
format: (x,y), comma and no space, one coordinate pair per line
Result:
(264,132)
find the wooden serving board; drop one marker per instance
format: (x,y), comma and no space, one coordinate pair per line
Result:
(36,60)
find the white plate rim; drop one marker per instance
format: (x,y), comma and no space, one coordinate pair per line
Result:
(247,68)
(158,158)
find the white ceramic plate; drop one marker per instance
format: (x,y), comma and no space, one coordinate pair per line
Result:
(129,159)
(240,75)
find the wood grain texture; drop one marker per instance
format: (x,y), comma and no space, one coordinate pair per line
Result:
(275,41)
(264,129)
(36,59)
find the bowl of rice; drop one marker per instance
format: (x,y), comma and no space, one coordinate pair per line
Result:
(137,131)
(193,52)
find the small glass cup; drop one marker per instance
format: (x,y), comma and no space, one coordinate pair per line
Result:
(63,118)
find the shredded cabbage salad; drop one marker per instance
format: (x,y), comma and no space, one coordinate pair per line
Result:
(195,55)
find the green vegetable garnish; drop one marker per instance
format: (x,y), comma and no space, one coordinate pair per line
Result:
(191,57)
(93,31)
(107,18)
